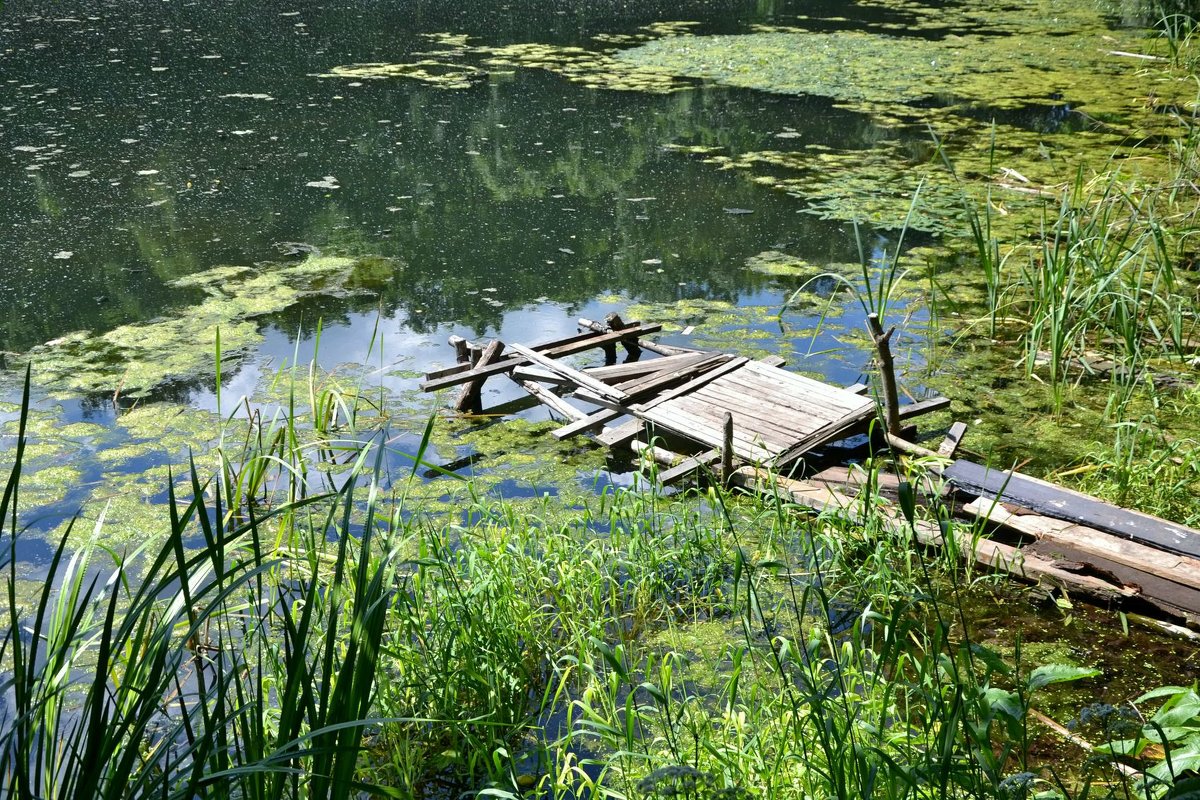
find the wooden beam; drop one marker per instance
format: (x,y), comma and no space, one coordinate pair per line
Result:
(453,376)
(653,347)
(1061,503)
(688,466)
(622,434)
(469,397)
(1183,570)
(580,379)
(924,407)
(954,436)
(549,399)
(590,422)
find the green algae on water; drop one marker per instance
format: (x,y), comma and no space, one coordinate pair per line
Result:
(132,360)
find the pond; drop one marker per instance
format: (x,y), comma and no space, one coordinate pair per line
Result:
(375,177)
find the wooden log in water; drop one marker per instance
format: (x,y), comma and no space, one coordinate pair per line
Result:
(469,396)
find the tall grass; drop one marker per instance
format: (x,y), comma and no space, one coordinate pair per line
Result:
(291,643)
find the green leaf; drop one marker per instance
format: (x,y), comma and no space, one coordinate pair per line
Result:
(1058,673)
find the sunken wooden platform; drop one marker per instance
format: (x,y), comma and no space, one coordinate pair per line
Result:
(750,423)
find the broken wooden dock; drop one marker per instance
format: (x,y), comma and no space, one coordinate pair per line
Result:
(750,423)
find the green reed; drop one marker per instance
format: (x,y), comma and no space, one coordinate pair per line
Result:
(335,640)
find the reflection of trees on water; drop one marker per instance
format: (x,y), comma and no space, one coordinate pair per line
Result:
(409,189)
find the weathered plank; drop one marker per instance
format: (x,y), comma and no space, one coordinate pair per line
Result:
(620,435)
(653,347)
(462,348)
(924,407)
(695,364)
(695,383)
(954,436)
(549,399)
(599,387)
(1060,503)
(995,555)
(687,467)
(456,375)
(638,369)
(1173,567)
(590,422)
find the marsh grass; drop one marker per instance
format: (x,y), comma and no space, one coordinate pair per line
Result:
(290,642)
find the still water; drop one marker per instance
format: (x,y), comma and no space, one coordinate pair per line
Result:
(146,142)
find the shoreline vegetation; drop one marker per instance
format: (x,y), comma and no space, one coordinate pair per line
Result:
(307,629)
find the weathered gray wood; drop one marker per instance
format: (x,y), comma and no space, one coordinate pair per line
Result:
(929,406)
(995,555)
(1060,503)
(462,349)
(727,448)
(695,364)
(550,399)
(687,467)
(590,422)
(1173,567)
(653,347)
(857,388)
(887,372)
(954,436)
(639,369)
(453,376)
(695,383)
(599,387)
(469,397)
(621,435)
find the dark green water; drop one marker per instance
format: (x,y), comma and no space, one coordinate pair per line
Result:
(131,144)
(144,142)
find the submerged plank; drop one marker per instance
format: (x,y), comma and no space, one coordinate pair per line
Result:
(1061,503)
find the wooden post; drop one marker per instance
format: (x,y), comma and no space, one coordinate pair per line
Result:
(887,372)
(615,323)
(469,399)
(727,450)
(462,349)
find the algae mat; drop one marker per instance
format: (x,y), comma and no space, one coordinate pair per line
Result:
(134,359)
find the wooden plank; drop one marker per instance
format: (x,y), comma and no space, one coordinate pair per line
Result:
(1179,569)
(527,372)
(772,361)
(637,369)
(550,399)
(687,467)
(653,347)
(464,366)
(621,435)
(599,387)
(924,407)
(591,421)
(708,432)
(857,388)
(553,350)
(995,555)
(469,395)
(695,383)
(954,436)
(697,364)
(1061,503)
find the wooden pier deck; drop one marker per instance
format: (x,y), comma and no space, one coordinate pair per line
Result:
(750,423)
